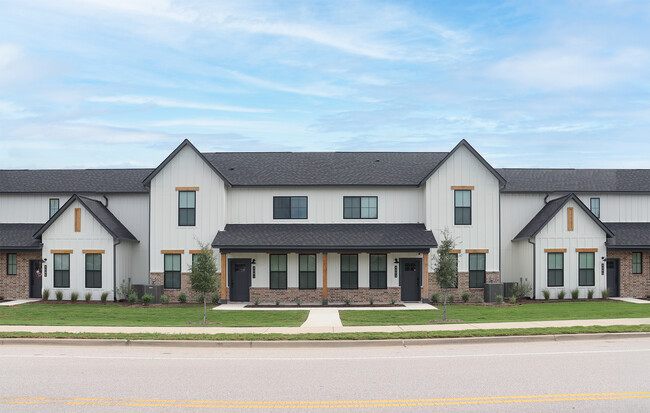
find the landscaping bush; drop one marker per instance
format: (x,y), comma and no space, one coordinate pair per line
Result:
(434,298)
(590,294)
(257,302)
(347,301)
(605,293)
(200,299)
(182,298)
(74,296)
(480,300)
(147,299)
(372,300)
(2,297)
(277,302)
(521,290)
(132,298)
(59,295)
(547,293)
(574,294)
(298,302)
(499,299)
(88,296)
(465,297)
(513,299)
(164,299)
(392,300)
(560,295)
(104,297)
(215,298)
(46,294)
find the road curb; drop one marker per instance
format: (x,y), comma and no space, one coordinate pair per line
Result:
(321,343)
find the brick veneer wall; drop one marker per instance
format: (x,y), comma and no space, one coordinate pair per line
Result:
(632,285)
(16,286)
(334,295)
(158,278)
(475,294)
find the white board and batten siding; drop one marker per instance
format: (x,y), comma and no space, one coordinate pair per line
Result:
(464,169)
(28,208)
(325,205)
(555,235)
(185,170)
(621,207)
(61,235)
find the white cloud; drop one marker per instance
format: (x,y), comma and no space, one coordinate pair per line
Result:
(172,103)
(10,110)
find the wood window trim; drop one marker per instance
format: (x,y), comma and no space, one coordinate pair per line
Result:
(569,217)
(554,250)
(196,251)
(586,249)
(77,220)
(172,251)
(187,188)
(462,188)
(93,251)
(477,251)
(454,252)
(61,251)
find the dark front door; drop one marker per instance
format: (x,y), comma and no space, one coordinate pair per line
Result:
(239,279)
(613,277)
(410,277)
(35,279)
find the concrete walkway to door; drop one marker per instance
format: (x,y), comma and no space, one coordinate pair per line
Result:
(18,302)
(630,300)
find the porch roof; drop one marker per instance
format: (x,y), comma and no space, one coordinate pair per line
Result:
(19,237)
(629,235)
(325,238)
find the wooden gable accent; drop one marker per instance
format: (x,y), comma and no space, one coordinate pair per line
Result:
(569,214)
(77,220)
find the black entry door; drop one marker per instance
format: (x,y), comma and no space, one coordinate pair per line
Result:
(239,279)
(613,279)
(35,280)
(410,276)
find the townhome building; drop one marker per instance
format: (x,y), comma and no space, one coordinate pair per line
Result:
(316,227)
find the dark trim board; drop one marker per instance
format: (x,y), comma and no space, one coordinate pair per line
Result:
(316,250)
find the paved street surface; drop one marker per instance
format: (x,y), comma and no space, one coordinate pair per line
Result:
(581,376)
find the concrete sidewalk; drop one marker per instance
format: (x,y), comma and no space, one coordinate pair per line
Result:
(319,329)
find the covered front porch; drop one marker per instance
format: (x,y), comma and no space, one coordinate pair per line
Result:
(324,263)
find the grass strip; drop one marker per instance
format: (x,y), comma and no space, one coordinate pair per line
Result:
(337,336)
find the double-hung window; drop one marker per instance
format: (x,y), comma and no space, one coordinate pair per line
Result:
(54,206)
(186,208)
(594,205)
(307,272)
(586,276)
(476,270)
(289,207)
(637,263)
(378,271)
(278,276)
(11,264)
(454,257)
(360,207)
(349,271)
(462,207)
(61,270)
(555,269)
(93,270)
(172,271)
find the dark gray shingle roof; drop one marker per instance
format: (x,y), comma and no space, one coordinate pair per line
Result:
(629,235)
(67,181)
(325,168)
(548,212)
(576,180)
(19,237)
(324,237)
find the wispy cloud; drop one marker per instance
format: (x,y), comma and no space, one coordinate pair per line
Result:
(171,103)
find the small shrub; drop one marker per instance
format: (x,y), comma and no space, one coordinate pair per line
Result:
(46,294)
(522,290)
(277,302)
(513,299)
(182,298)
(450,299)
(164,299)
(132,298)
(347,301)
(465,297)
(74,296)
(257,302)
(480,300)
(392,301)
(372,300)
(215,298)
(147,299)
(434,298)
(104,297)
(200,298)
(547,293)
(88,296)
(59,295)
(590,294)
(2,297)
(499,299)
(574,294)
(560,295)
(324,302)
(605,293)
(298,302)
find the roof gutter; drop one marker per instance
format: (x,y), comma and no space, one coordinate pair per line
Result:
(534,266)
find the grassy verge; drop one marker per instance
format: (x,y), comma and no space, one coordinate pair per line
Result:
(494,314)
(338,336)
(158,316)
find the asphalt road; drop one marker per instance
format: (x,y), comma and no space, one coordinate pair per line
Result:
(589,376)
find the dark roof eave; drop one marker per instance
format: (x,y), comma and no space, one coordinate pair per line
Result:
(627,247)
(262,248)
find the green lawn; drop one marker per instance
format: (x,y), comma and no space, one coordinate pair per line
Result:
(117,315)
(489,314)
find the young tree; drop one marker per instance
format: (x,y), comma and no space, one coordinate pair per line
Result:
(203,275)
(446,268)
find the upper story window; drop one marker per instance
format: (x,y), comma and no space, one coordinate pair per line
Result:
(637,263)
(360,207)
(462,207)
(54,206)
(594,205)
(586,276)
(289,207)
(186,208)
(11,264)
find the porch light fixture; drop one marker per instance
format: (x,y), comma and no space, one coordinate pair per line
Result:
(253,261)
(396,260)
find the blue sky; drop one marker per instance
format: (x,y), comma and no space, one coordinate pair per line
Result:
(120,83)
